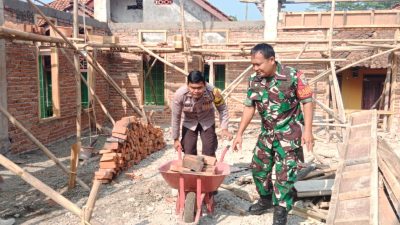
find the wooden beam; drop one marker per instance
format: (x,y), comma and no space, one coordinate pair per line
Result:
(280,60)
(185,43)
(162,60)
(328,110)
(40,145)
(4,136)
(39,185)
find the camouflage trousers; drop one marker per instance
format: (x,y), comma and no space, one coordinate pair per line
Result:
(285,159)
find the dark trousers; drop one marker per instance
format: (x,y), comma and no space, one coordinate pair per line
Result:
(208,139)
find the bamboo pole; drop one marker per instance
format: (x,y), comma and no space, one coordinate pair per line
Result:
(88,210)
(91,61)
(280,60)
(302,50)
(77,66)
(185,43)
(40,145)
(211,74)
(82,78)
(162,60)
(387,90)
(317,78)
(46,190)
(328,110)
(29,36)
(104,73)
(237,78)
(73,165)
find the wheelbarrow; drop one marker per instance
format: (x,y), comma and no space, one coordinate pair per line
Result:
(194,188)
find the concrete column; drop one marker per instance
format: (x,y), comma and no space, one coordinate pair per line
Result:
(102,10)
(271,12)
(4,140)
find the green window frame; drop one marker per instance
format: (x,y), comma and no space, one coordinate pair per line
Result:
(45,87)
(153,83)
(85,92)
(219,72)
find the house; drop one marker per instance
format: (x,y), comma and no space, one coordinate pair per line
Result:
(126,11)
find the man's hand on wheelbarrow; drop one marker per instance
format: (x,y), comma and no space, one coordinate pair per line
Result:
(237,143)
(226,134)
(177,145)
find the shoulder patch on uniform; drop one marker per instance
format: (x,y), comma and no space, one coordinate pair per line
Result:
(218,98)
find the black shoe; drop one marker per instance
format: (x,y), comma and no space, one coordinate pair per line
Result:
(280,215)
(262,206)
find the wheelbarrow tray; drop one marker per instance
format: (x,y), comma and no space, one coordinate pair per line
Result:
(209,183)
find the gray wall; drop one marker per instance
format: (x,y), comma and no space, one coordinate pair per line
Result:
(158,13)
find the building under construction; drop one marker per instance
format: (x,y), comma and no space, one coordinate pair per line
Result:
(71,67)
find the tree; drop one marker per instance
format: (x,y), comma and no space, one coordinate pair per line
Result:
(348,6)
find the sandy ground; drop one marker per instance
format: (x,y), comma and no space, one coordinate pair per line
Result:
(147,199)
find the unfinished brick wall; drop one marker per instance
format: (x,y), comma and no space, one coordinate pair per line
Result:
(23,86)
(23,98)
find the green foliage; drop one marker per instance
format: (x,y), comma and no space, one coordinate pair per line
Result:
(349,6)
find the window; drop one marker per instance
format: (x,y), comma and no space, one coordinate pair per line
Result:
(219,72)
(49,104)
(152,36)
(85,101)
(154,82)
(214,37)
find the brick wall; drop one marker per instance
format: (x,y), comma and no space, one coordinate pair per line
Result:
(23,86)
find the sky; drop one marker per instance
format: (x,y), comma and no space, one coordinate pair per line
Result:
(238,9)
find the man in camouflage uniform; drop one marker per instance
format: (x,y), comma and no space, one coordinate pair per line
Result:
(276,91)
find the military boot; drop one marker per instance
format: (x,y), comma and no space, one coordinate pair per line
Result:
(280,216)
(262,206)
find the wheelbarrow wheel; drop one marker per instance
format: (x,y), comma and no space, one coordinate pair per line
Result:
(190,208)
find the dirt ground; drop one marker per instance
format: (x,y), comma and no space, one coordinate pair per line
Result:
(147,199)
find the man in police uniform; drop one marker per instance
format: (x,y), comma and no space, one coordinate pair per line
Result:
(276,91)
(197,100)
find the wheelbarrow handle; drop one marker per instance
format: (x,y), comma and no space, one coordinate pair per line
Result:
(226,148)
(180,153)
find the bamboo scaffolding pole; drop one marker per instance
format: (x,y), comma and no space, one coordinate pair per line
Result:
(29,36)
(328,110)
(386,90)
(321,75)
(371,45)
(40,145)
(39,185)
(91,61)
(185,43)
(280,60)
(211,74)
(73,166)
(237,78)
(111,81)
(88,208)
(162,60)
(78,99)
(302,50)
(82,78)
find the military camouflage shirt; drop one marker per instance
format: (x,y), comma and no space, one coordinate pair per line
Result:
(277,99)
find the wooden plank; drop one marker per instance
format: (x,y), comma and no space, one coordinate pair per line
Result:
(363,193)
(386,212)
(73,165)
(374,199)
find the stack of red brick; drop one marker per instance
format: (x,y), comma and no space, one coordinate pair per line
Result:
(195,164)
(131,141)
